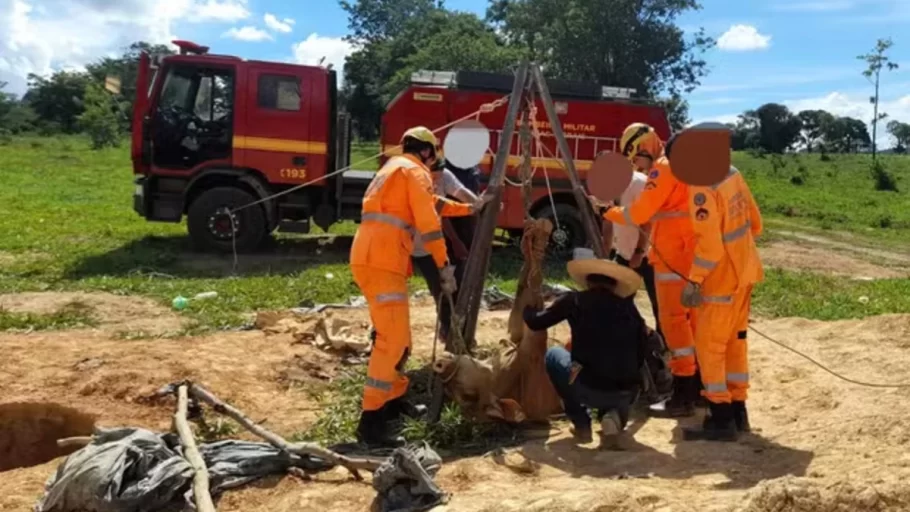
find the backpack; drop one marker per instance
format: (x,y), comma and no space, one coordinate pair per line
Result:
(656,378)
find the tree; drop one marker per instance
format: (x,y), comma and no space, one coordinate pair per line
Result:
(437,39)
(876,61)
(126,68)
(57,100)
(746,131)
(100,119)
(375,21)
(846,135)
(627,43)
(901,133)
(779,129)
(813,126)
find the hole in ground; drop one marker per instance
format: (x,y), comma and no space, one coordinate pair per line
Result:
(29,432)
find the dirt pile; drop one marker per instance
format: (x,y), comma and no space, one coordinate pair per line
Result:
(803,495)
(29,432)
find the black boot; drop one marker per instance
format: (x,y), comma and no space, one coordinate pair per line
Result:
(402,407)
(373,430)
(741,417)
(718,426)
(700,400)
(682,404)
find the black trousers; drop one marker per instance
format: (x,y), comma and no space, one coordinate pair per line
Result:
(646,271)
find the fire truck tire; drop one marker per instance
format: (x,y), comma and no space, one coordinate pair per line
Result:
(210,226)
(571,231)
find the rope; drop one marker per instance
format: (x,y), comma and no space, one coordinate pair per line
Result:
(823,367)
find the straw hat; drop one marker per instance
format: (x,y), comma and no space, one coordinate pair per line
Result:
(585,263)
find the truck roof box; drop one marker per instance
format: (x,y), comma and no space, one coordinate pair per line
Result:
(494,82)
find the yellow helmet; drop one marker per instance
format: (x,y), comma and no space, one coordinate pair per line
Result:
(639,139)
(421,133)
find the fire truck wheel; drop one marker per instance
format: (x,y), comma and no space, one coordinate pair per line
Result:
(570,232)
(209,221)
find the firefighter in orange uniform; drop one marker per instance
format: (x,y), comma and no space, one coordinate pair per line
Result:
(726,221)
(664,203)
(398,207)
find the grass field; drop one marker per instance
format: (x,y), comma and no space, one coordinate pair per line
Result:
(68,224)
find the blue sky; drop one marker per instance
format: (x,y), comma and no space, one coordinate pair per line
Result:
(799,52)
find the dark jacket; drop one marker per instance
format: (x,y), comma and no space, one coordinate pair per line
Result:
(606,336)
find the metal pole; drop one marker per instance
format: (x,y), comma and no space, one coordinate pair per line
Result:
(595,237)
(479,259)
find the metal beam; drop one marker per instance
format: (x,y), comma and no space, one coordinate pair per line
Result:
(594,235)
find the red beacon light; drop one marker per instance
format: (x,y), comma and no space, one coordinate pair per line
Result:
(190,47)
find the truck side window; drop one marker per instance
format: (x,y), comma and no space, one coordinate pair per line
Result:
(279,92)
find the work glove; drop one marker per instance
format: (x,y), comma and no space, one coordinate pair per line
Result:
(691,295)
(447,279)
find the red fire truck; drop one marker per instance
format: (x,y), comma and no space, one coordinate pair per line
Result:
(217,132)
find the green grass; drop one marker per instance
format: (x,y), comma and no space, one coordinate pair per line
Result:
(834,195)
(68,225)
(70,316)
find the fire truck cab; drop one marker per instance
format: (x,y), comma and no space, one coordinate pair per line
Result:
(216,132)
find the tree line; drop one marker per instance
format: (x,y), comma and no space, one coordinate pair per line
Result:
(775,129)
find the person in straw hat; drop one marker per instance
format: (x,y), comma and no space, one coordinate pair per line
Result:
(601,371)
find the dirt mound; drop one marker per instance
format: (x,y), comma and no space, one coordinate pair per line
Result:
(29,432)
(116,314)
(802,495)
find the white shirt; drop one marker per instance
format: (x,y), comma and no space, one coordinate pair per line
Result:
(447,185)
(625,238)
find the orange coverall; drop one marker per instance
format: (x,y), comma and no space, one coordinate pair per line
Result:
(664,203)
(398,207)
(727,266)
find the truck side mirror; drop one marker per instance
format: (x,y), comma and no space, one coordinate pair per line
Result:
(112,84)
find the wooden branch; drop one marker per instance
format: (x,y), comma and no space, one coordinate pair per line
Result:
(301,449)
(69,442)
(201,473)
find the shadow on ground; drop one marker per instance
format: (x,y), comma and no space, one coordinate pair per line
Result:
(174,255)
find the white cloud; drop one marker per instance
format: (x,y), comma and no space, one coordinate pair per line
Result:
(39,37)
(724,119)
(820,6)
(740,38)
(248,33)
(315,47)
(277,25)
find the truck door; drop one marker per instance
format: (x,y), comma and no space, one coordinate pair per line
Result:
(275,139)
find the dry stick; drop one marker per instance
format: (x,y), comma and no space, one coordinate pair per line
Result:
(68,442)
(201,473)
(301,449)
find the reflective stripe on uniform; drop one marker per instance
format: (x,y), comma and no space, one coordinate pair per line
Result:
(738,377)
(378,384)
(385,218)
(705,264)
(716,388)
(718,299)
(737,233)
(666,276)
(627,215)
(391,297)
(669,215)
(684,352)
(432,235)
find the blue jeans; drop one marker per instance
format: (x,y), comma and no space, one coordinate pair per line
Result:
(577,398)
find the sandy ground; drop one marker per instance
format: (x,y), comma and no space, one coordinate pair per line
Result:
(820,444)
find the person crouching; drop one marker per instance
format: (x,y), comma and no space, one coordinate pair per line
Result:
(602,370)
